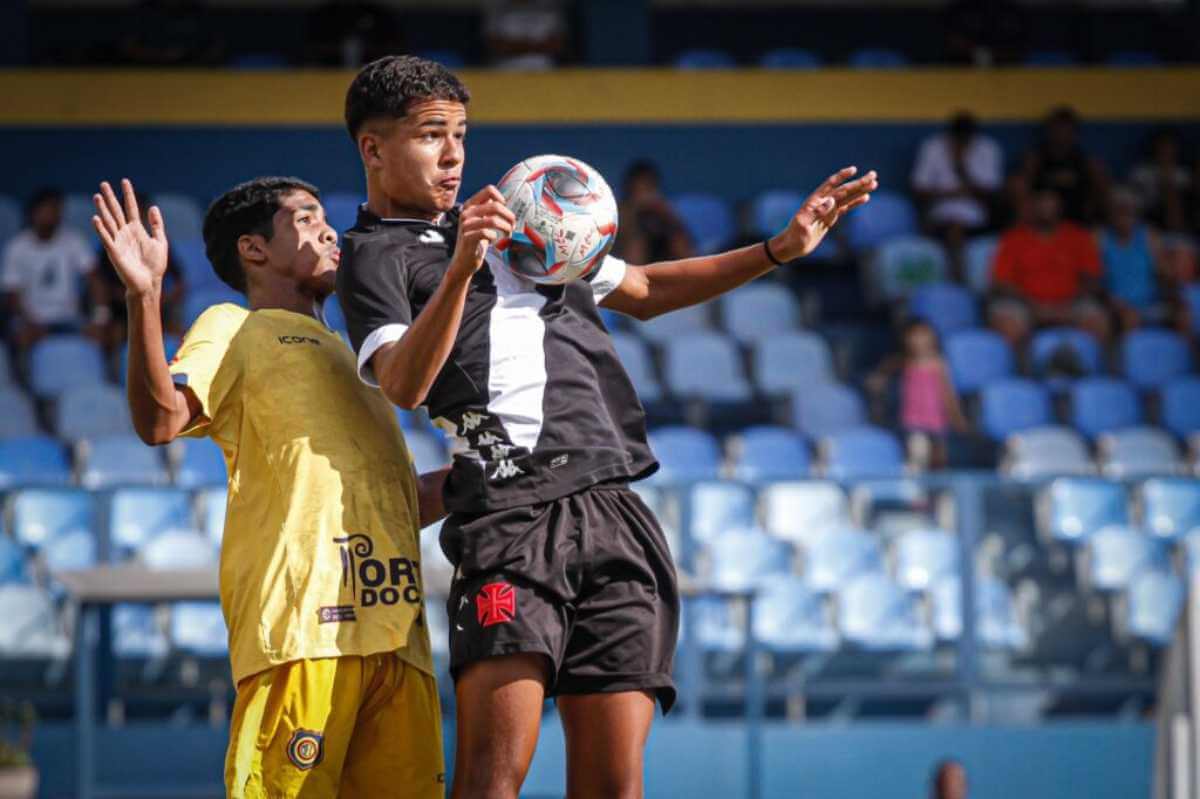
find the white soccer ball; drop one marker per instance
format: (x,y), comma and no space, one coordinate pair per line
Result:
(566,219)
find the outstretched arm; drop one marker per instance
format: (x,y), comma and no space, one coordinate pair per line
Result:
(160,409)
(648,291)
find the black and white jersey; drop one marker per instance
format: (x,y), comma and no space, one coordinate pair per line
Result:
(533,398)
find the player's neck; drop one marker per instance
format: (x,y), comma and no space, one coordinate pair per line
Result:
(281,298)
(386,207)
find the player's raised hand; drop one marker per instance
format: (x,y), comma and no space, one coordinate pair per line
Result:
(138,255)
(485,220)
(838,195)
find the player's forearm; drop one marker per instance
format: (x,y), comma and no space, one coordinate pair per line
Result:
(429,496)
(158,408)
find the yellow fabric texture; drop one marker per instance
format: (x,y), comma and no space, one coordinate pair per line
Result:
(320,556)
(349,727)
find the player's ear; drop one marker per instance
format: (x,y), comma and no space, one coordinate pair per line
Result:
(369,143)
(252,249)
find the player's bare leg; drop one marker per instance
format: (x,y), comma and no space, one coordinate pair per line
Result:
(499,715)
(606,741)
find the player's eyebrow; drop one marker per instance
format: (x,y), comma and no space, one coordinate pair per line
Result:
(309,207)
(437,122)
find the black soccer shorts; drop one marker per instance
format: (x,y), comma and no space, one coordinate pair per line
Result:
(586,580)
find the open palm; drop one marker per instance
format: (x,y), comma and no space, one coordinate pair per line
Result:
(138,255)
(824,207)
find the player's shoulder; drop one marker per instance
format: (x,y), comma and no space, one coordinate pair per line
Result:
(219,321)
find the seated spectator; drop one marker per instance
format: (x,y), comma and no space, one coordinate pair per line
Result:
(949,781)
(1164,183)
(525,34)
(957,179)
(650,229)
(350,33)
(41,273)
(1059,163)
(1046,272)
(1131,255)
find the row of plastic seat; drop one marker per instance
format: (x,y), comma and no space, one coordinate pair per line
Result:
(884,58)
(107,461)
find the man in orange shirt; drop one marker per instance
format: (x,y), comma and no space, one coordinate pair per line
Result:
(1046,272)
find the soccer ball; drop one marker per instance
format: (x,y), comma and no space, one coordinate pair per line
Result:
(566,219)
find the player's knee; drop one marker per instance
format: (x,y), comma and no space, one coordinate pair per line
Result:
(486,781)
(604,785)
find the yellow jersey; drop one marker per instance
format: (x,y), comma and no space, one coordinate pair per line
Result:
(320,556)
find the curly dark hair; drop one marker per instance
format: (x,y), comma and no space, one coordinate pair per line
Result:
(246,208)
(386,87)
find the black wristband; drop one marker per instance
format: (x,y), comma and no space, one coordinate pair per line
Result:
(771,255)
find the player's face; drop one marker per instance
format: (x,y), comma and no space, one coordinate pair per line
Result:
(420,157)
(303,246)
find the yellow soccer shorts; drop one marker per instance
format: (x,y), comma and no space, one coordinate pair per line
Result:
(336,728)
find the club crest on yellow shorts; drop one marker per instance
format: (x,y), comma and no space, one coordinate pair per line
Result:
(305,749)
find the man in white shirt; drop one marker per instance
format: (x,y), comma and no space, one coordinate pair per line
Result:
(41,273)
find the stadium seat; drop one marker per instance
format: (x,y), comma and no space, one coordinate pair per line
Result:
(198,628)
(875,614)
(1050,58)
(78,210)
(771,211)
(770,453)
(759,311)
(11,218)
(1133,59)
(704,59)
(74,549)
(1011,405)
(92,411)
(902,264)
(139,515)
(924,556)
(690,321)
(860,452)
(31,626)
(137,633)
(427,452)
(685,453)
(1046,452)
(635,357)
(790,58)
(1100,405)
(946,306)
(719,624)
(708,219)
(976,358)
(39,515)
(1151,358)
(834,556)
(997,626)
(1138,452)
(717,507)
(114,460)
(178,549)
(1078,345)
(1191,297)
(1114,554)
(1071,509)
(977,258)
(192,257)
(183,217)
(171,344)
(1181,406)
(1169,507)
(799,511)
(437,572)
(12,561)
(17,416)
(197,302)
(333,315)
(201,463)
(706,366)
(64,361)
(826,408)
(791,361)
(739,560)
(1152,605)
(212,513)
(890,215)
(450,59)
(33,460)
(790,618)
(877,58)
(341,210)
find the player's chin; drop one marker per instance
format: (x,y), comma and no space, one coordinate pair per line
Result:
(324,281)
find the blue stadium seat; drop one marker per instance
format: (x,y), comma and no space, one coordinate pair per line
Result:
(192,258)
(1071,509)
(178,549)
(889,215)
(677,324)
(977,257)
(861,452)
(11,218)
(1114,554)
(704,59)
(138,515)
(91,411)
(719,379)
(1051,341)
(791,361)
(835,556)
(997,626)
(759,311)
(635,357)
(685,453)
(17,416)
(78,210)
(826,408)
(1191,296)
(201,463)
(903,264)
(875,614)
(799,511)
(1138,452)
(708,219)
(717,507)
(924,556)
(1050,58)
(718,624)
(877,58)
(1154,600)
(114,460)
(33,460)
(427,452)
(39,515)
(333,313)
(790,618)
(197,302)
(171,345)
(771,453)
(75,549)
(1151,358)
(790,58)
(739,560)
(947,306)
(771,211)
(137,632)
(976,358)
(1101,404)
(64,361)
(31,626)
(1181,406)
(450,59)
(341,210)
(198,628)
(12,561)
(212,513)
(1169,507)
(182,215)
(1011,405)
(1046,452)
(1133,58)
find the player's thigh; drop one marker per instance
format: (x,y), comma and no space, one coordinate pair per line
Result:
(396,748)
(291,728)
(606,740)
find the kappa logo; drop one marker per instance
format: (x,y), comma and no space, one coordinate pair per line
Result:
(488,439)
(374,581)
(506,469)
(431,236)
(471,421)
(496,603)
(306,749)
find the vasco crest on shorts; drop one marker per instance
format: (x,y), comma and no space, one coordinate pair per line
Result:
(305,749)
